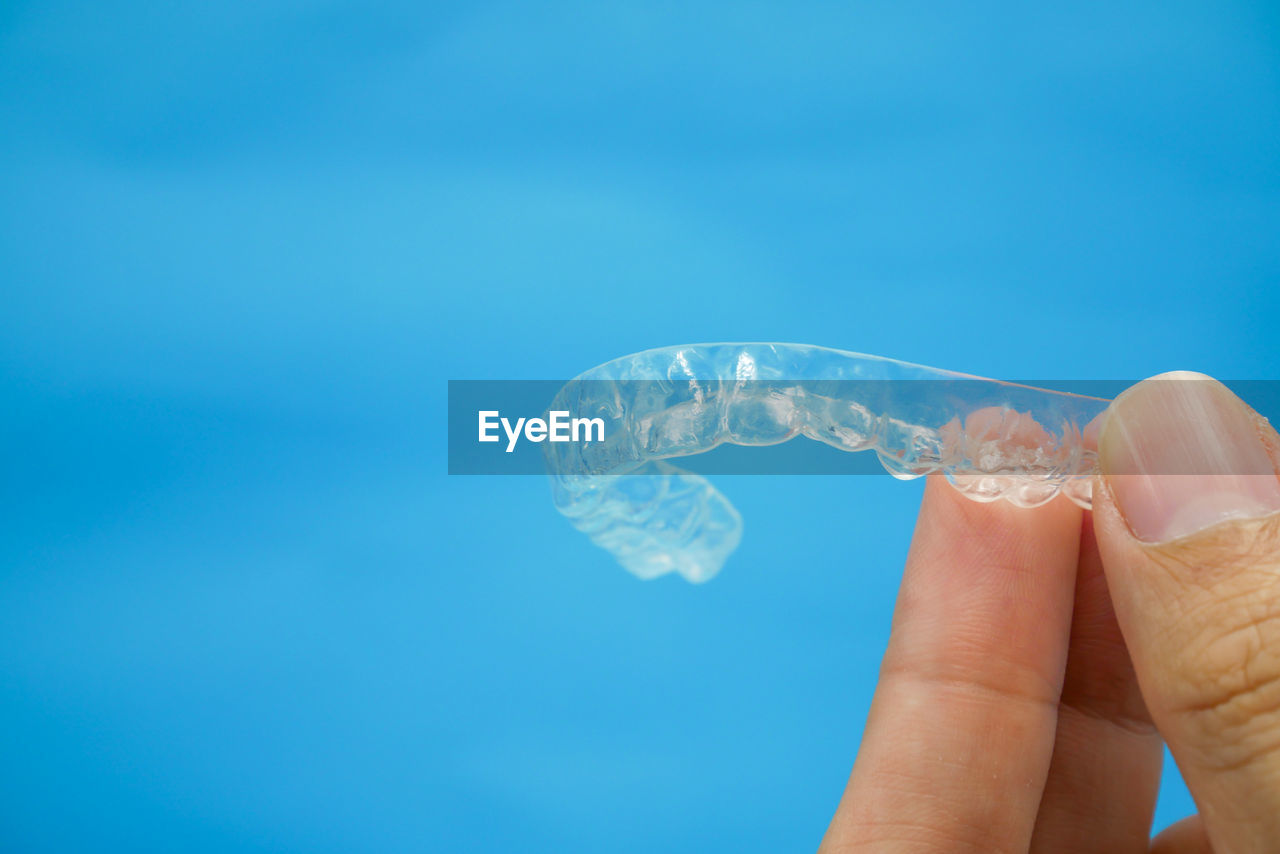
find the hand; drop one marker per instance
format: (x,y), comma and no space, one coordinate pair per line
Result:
(1039,658)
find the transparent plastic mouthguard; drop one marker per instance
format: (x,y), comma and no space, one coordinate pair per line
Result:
(993,440)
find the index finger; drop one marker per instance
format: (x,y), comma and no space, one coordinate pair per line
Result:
(960,736)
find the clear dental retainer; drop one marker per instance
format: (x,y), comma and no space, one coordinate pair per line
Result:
(992,440)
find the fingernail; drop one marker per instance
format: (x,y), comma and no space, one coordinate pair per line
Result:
(1181,453)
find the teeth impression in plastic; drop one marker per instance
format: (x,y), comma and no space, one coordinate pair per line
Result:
(993,440)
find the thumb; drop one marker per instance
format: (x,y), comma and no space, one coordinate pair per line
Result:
(1187,517)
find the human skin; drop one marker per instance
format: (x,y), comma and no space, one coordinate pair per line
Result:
(1040,659)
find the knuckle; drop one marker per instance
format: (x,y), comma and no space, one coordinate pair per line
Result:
(1228,691)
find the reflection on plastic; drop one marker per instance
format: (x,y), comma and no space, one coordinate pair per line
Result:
(993,440)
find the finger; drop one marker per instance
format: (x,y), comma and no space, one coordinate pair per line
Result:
(1185,837)
(1105,774)
(960,734)
(1186,521)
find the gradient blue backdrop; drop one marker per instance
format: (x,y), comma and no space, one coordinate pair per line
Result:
(244,245)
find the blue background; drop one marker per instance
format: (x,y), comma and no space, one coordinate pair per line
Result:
(244,245)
